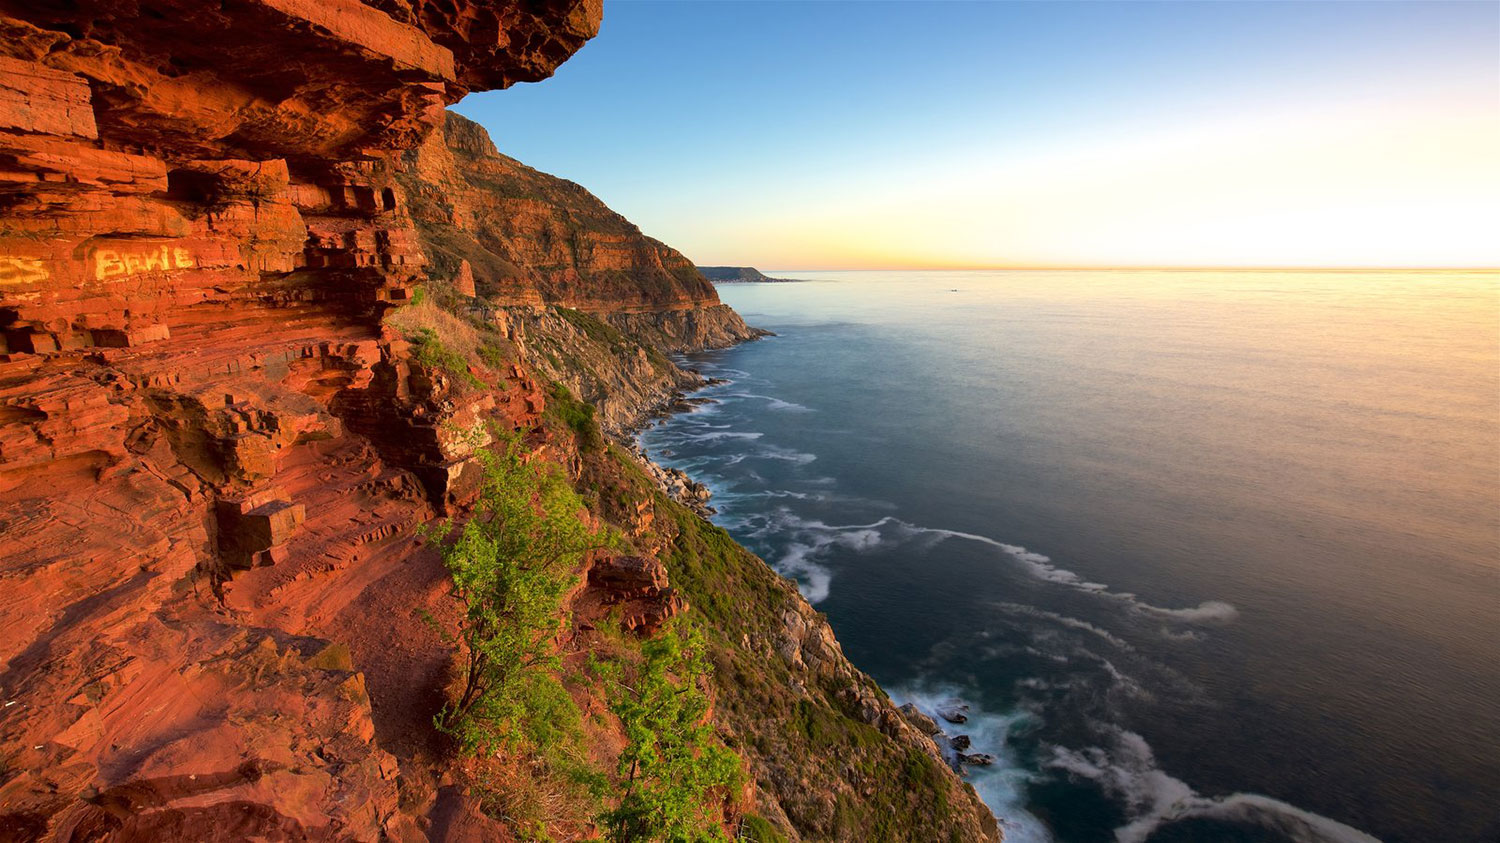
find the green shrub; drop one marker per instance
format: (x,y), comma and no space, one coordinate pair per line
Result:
(758,830)
(493,356)
(595,328)
(675,771)
(577,416)
(511,564)
(432,353)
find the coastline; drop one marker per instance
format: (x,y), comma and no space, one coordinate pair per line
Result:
(931,715)
(801,638)
(675,483)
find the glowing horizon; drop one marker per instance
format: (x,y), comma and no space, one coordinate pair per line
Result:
(1036,136)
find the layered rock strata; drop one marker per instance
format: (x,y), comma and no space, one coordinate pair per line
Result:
(215,451)
(531,238)
(212,455)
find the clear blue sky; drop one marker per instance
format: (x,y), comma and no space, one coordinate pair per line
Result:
(828,134)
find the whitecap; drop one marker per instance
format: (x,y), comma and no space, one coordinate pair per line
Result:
(807,541)
(773,452)
(718,435)
(1207,612)
(813,580)
(772,402)
(1042,568)
(1070,622)
(783,493)
(1152,798)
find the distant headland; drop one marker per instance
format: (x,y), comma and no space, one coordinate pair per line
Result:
(739,275)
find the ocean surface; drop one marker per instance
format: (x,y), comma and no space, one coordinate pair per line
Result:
(1211,556)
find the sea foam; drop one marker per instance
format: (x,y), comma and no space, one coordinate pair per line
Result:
(1041,567)
(1128,770)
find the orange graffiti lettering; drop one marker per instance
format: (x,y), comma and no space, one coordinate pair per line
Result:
(113,263)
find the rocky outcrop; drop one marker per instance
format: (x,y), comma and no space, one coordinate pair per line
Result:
(590,300)
(624,372)
(686,329)
(676,484)
(640,587)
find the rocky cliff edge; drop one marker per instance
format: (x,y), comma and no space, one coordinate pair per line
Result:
(224,413)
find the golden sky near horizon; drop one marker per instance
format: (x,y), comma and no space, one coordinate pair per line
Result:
(1412,187)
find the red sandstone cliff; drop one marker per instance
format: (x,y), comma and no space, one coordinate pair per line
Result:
(214,449)
(525,238)
(199,231)
(528,244)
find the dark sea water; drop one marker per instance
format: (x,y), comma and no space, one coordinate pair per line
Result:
(1211,556)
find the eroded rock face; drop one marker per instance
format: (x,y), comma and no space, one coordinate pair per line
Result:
(533,239)
(212,455)
(639,586)
(537,251)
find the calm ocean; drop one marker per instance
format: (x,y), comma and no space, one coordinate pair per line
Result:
(1210,555)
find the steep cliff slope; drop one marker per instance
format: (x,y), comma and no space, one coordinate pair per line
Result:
(223,418)
(533,238)
(595,301)
(198,236)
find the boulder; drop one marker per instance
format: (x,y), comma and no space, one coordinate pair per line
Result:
(629,576)
(926,725)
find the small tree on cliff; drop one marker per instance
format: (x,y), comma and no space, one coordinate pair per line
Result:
(511,564)
(675,772)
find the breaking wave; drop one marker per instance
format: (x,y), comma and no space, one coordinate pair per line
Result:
(1064,620)
(771,402)
(772,452)
(1128,771)
(805,540)
(1070,684)
(718,435)
(1041,567)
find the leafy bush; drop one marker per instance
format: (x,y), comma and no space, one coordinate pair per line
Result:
(673,767)
(511,564)
(432,353)
(493,356)
(758,830)
(444,339)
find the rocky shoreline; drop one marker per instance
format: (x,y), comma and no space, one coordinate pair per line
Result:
(953,748)
(676,484)
(241,371)
(673,482)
